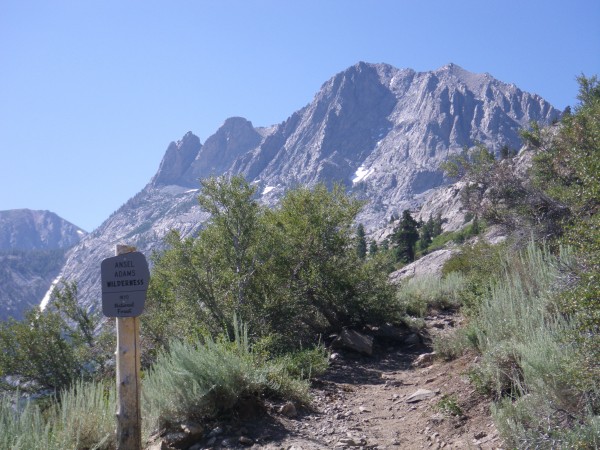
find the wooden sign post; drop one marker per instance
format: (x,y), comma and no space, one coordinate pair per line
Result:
(125,279)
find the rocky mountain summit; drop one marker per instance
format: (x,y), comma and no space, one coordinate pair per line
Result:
(32,252)
(24,229)
(380,131)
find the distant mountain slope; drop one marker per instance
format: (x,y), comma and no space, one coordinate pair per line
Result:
(32,252)
(380,131)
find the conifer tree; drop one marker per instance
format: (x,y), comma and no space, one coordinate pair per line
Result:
(373,248)
(361,244)
(405,237)
(437,225)
(426,234)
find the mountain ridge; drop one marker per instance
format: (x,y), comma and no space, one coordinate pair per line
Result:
(33,245)
(380,131)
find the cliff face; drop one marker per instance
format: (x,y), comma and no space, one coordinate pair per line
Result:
(380,131)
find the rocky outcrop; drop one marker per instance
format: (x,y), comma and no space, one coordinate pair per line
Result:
(177,161)
(430,264)
(446,202)
(187,161)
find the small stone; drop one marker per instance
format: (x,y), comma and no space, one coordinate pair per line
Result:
(362,409)
(288,410)
(421,394)
(192,428)
(480,435)
(437,418)
(244,440)
(175,437)
(228,442)
(215,431)
(424,360)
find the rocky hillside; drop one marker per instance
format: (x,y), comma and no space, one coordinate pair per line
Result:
(32,252)
(380,131)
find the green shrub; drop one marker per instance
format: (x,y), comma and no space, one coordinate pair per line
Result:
(292,272)
(305,364)
(529,358)
(416,295)
(205,380)
(452,345)
(85,416)
(54,348)
(84,419)
(529,422)
(480,264)
(22,428)
(519,315)
(448,405)
(200,380)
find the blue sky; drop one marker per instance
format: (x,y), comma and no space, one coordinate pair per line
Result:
(92,92)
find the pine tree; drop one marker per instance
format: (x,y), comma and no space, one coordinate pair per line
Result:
(426,234)
(385,244)
(506,152)
(437,225)
(475,227)
(405,237)
(373,248)
(361,244)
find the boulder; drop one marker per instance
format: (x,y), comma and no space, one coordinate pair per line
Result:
(389,333)
(355,341)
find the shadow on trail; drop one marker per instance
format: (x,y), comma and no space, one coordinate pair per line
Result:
(352,368)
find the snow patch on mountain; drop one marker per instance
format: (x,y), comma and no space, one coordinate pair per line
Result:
(361,174)
(48,294)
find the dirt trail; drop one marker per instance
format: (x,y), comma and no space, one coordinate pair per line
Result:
(361,402)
